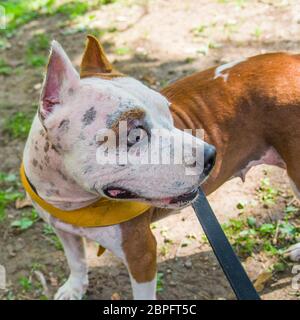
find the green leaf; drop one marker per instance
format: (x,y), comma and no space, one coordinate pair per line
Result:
(251,221)
(18,125)
(279,267)
(23,223)
(10,177)
(267,228)
(25,283)
(291,209)
(5,69)
(36,60)
(159,282)
(287,229)
(268,247)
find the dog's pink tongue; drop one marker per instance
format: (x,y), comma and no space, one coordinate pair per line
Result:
(166,200)
(116,192)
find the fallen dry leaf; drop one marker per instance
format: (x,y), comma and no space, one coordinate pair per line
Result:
(150,79)
(115,296)
(261,280)
(22,203)
(53,281)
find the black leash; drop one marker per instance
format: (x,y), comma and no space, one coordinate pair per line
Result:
(231,265)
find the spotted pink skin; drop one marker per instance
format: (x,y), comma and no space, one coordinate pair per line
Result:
(47,173)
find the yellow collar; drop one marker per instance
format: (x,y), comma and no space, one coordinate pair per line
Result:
(102,213)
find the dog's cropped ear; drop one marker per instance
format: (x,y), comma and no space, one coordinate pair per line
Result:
(94,61)
(60,76)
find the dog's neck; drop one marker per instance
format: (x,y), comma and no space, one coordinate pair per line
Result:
(46,169)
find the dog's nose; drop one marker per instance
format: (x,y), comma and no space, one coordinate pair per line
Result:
(209,158)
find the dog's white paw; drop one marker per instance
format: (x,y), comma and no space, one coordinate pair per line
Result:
(293,252)
(73,289)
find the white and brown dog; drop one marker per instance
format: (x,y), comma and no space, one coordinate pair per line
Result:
(249,111)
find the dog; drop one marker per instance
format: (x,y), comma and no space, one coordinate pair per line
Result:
(240,106)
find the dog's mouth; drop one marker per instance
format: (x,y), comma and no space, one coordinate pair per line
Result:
(178,201)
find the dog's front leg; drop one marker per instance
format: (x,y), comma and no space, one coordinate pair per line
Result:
(77,283)
(139,246)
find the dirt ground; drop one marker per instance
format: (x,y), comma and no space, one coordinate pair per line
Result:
(157,42)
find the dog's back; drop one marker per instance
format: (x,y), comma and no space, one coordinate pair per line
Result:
(250,106)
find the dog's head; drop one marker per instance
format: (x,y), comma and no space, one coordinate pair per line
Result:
(116,136)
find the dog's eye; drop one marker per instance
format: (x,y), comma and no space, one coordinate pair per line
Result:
(136,135)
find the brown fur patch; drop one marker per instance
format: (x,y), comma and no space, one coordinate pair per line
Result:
(139,246)
(259,100)
(127,115)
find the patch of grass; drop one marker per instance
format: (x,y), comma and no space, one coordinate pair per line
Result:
(164,250)
(10,295)
(200,29)
(4,44)
(8,177)
(189,60)
(30,283)
(241,236)
(36,50)
(214,45)
(25,284)
(267,194)
(5,68)
(8,191)
(73,9)
(39,42)
(279,267)
(203,30)
(122,51)
(52,237)
(20,12)
(35,60)
(257,32)
(273,238)
(6,197)
(160,282)
(18,125)
(231,27)
(27,221)
(290,211)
